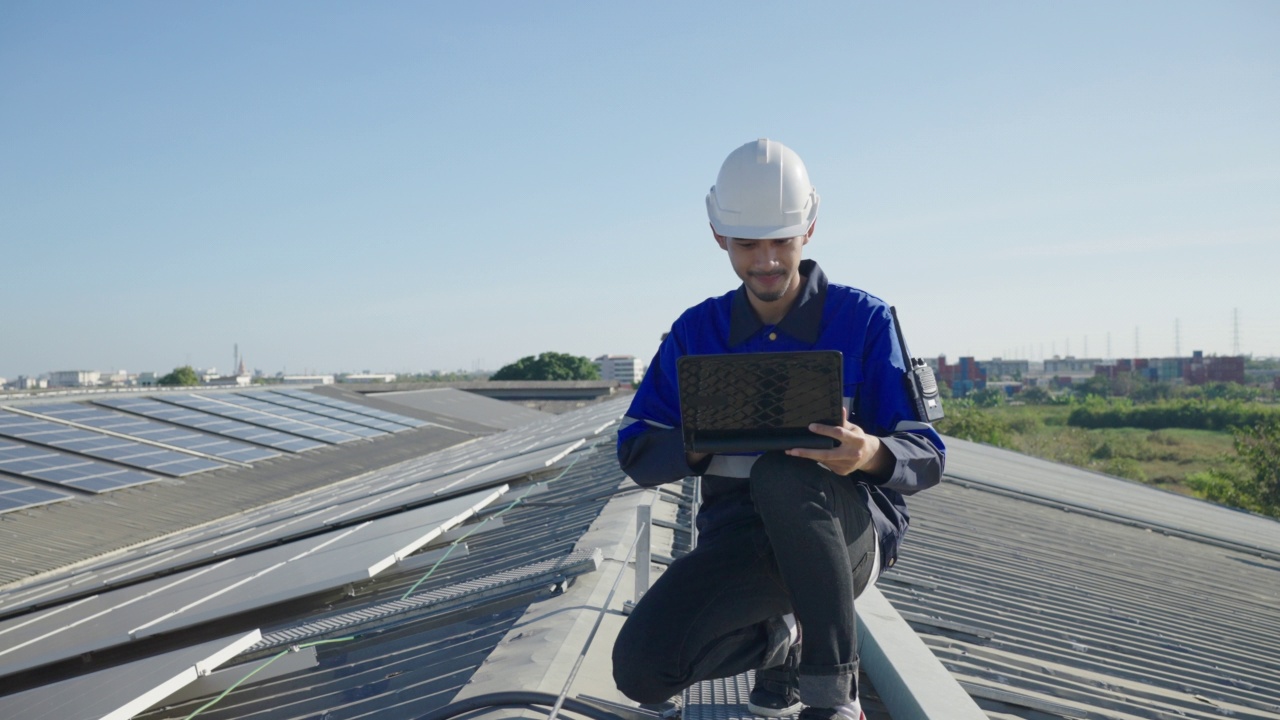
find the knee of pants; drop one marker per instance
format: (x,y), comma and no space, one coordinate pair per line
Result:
(775,474)
(637,673)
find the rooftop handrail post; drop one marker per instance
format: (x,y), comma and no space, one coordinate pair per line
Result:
(644,516)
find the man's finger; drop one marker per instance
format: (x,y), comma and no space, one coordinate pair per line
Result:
(812,454)
(827,430)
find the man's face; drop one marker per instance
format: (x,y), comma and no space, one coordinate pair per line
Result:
(770,269)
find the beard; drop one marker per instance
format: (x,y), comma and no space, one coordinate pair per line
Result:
(770,295)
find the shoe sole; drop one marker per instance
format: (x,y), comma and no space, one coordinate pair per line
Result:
(774,712)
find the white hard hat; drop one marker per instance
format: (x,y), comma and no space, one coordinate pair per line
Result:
(763,193)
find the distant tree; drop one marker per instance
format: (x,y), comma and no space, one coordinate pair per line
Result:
(437,376)
(1229,391)
(1148,391)
(1097,386)
(1259,448)
(549,366)
(1035,395)
(183,376)
(987,397)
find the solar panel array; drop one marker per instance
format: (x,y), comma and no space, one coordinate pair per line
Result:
(105,447)
(251,401)
(65,469)
(178,436)
(215,424)
(444,473)
(15,495)
(300,403)
(144,429)
(274,421)
(353,407)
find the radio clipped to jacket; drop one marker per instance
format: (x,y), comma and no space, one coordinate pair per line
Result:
(922,386)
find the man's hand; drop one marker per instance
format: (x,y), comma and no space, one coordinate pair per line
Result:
(856,451)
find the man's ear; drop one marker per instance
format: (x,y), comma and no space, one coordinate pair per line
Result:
(721,240)
(809,234)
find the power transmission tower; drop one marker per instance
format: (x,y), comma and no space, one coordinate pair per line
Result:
(1235,335)
(1177,338)
(1136,351)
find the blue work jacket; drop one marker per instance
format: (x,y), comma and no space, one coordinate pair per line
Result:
(825,316)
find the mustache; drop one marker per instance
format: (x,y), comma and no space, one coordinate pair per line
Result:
(771,273)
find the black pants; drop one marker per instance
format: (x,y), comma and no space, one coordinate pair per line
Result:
(716,612)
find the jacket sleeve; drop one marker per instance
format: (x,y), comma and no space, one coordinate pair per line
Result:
(650,441)
(888,412)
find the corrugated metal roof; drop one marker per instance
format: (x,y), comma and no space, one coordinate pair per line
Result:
(1044,610)
(468,406)
(1048,592)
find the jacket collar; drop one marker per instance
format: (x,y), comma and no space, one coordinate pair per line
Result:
(802,322)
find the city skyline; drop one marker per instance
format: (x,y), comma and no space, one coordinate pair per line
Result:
(410,186)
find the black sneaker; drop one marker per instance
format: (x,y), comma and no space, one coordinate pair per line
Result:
(777,692)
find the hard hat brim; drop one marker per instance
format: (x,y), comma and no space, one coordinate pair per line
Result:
(759,232)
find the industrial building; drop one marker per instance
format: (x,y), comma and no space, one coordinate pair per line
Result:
(620,368)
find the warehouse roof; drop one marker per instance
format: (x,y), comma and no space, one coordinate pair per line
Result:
(1044,590)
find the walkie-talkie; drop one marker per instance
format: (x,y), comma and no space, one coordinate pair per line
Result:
(922,386)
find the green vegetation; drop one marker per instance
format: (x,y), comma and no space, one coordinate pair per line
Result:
(454,376)
(1217,414)
(183,376)
(549,366)
(1253,481)
(1226,451)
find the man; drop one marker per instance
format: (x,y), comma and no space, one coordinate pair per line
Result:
(787,540)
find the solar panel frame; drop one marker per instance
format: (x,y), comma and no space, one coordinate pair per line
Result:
(65,469)
(190,439)
(397,418)
(257,417)
(215,424)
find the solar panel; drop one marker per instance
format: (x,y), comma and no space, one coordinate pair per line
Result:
(63,469)
(455,469)
(144,429)
(212,423)
(16,495)
(125,691)
(107,447)
(354,407)
(256,417)
(248,582)
(299,403)
(254,402)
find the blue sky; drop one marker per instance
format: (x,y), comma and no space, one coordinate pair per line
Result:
(408,186)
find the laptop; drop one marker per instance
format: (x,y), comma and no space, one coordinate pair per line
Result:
(754,402)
